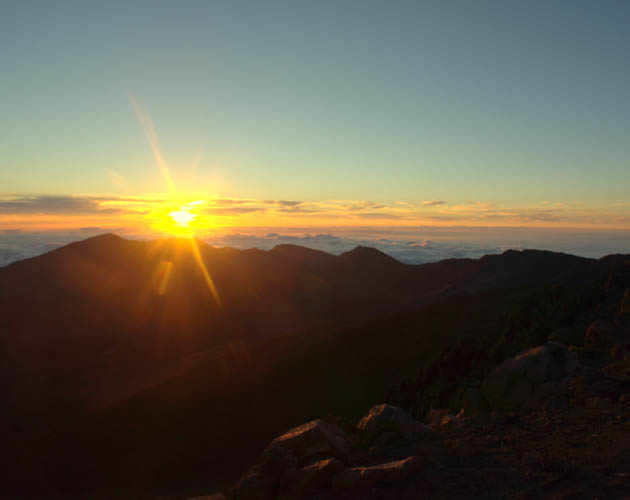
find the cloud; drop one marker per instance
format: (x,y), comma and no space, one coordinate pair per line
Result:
(25,211)
(543,212)
(232,210)
(377,215)
(57,205)
(222,202)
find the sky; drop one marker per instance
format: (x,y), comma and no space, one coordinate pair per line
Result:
(169,117)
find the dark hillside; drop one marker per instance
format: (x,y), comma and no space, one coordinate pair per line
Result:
(119,350)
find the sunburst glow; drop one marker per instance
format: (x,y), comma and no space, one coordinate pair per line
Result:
(182,217)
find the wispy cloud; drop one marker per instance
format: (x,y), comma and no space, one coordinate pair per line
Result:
(232,210)
(56,205)
(144,210)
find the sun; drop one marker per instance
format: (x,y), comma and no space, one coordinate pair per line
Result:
(182,217)
(180,220)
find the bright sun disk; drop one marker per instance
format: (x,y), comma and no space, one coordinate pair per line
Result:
(182,217)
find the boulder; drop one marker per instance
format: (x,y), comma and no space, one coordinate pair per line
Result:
(386,418)
(438,417)
(524,382)
(315,438)
(263,480)
(303,483)
(603,334)
(280,461)
(356,478)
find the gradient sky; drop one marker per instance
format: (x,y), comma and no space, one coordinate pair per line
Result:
(268,113)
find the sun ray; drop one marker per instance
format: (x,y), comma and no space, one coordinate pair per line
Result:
(151,135)
(204,270)
(180,219)
(165,273)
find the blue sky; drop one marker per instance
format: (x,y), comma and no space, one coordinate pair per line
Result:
(508,105)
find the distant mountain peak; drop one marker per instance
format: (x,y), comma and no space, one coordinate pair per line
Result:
(300,253)
(370,255)
(105,237)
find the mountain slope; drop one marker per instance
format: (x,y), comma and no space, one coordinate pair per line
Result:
(119,348)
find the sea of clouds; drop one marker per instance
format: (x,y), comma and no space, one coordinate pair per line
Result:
(410,245)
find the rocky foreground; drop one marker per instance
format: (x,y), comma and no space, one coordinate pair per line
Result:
(550,422)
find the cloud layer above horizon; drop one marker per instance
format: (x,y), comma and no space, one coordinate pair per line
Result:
(137,213)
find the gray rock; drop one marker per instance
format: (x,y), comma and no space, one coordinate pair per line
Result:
(315,438)
(263,480)
(602,335)
(303,483)
(524,382)
(437,417)
(386,418)
(356,478)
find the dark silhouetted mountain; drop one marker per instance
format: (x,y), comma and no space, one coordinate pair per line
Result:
(367,256)
(119,352)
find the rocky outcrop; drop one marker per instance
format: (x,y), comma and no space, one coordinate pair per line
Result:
(525,381)
(386,418)
(315,438)
(284,470)
(359,478)
(315,457)
(575,415)
(263,480)
(309,480)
